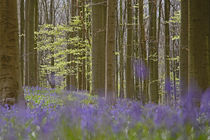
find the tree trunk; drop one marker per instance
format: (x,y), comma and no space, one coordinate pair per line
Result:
(22,24)
(26,49)
(52,61)
(198,48)
(153,53)
(145,96)
(184,48)
(129,56)
(167,50)
(30,45)
(98,46)
(10,79)
(137,52)
(110,51)
(35,45)
(121,49)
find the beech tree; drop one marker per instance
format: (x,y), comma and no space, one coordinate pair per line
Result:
(10,74)
(129,54)
(153,53)
(167,47)
(184,48)
(110,50)
(198,48)
(98,46)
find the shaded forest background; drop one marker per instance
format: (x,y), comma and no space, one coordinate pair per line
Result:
(124,48)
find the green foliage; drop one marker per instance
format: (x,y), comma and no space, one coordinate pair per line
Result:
(56,42)
(176,18)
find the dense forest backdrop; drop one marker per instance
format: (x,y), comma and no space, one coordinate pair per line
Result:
(104,69)
(152,51)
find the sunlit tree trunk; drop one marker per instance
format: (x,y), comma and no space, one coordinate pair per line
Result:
(52,60)
(10,73)
(198,48)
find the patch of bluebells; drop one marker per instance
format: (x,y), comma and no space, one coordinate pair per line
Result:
(63,115)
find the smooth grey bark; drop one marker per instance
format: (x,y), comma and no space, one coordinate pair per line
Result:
(11,91)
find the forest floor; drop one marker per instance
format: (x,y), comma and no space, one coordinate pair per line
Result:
(54,114)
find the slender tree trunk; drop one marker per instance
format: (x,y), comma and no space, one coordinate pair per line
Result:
(145,95)
(10,79)
(167,50)
(198,48)
(88,57)
(36,52)
(121,49)
(84,70)
(52,61)
(22,20)
(137,51)
(159,32)
(129,56)
(73,79)
(81,65)
(26,50)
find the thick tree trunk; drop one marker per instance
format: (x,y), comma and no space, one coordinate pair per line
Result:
(184,48)
(198,48)
(30,45)
(110,51)
(10,73)
(98,46)
(71,81)
(153,53)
